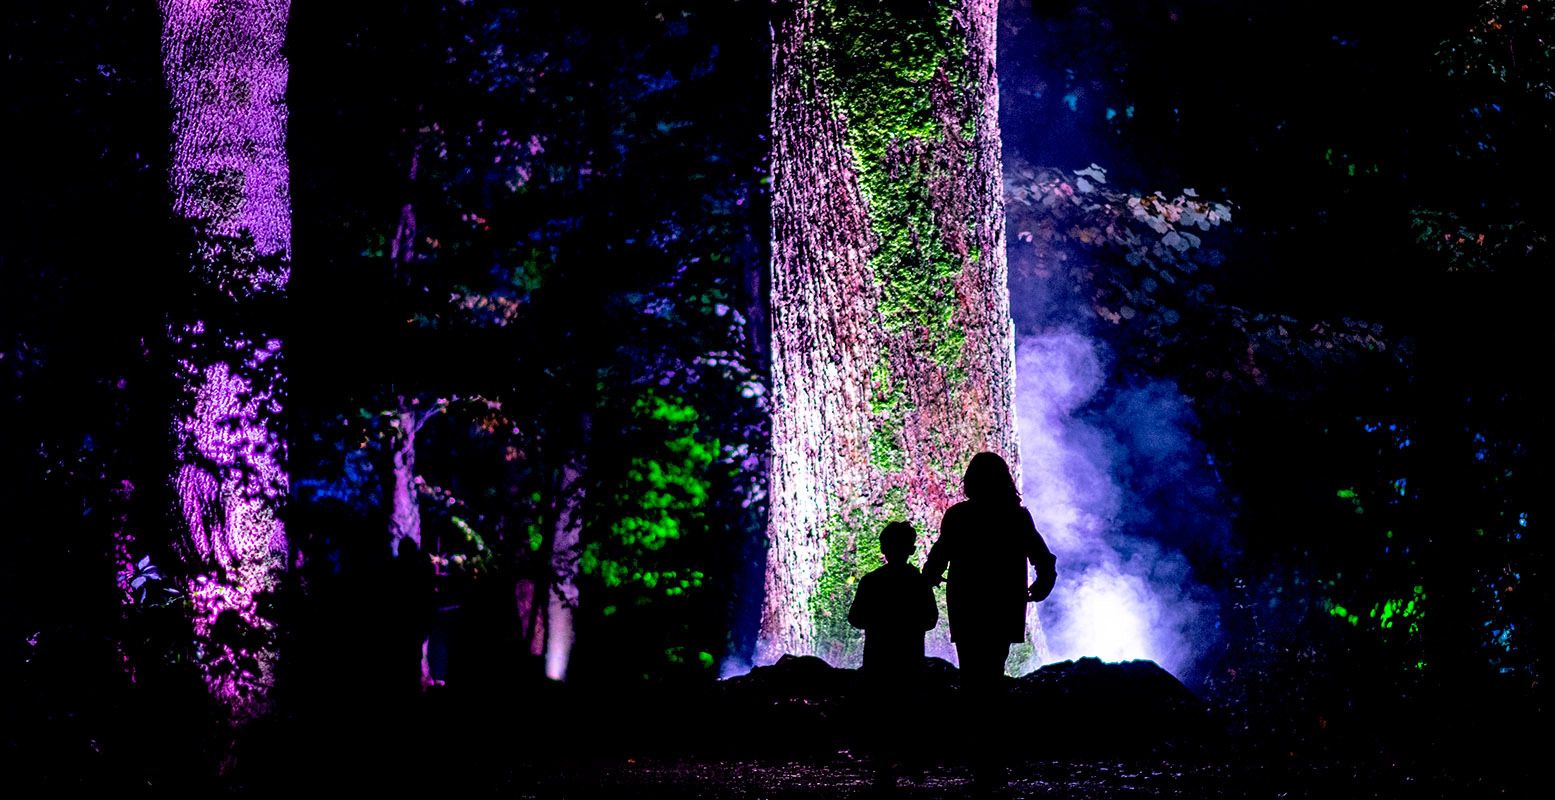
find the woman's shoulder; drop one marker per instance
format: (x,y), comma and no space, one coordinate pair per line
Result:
(986,513)
(987,507)
(961,509)
(1023,516)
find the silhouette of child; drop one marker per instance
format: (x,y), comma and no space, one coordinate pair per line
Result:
(894,605)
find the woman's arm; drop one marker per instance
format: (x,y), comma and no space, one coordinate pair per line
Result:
(1042,560)
(939,554)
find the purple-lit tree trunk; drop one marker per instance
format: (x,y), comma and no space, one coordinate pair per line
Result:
(226,74)
(404,507)
(563,596)
(548,596)
(892,343)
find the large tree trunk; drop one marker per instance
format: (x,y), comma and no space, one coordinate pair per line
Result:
(226,74)
(893,348)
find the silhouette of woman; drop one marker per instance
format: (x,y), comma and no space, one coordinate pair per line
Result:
(986,541)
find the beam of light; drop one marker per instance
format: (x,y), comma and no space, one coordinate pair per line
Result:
(733,667)
(1110,618)
(1116,599)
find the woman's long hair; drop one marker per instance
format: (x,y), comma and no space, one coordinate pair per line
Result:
(988,479)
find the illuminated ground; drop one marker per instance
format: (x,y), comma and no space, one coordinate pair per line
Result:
(851,777)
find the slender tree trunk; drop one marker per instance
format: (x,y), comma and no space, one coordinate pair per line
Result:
(404,507)
(405,511)
(226,74)
(527,596)
(564,570)
(892,344)
(547,597)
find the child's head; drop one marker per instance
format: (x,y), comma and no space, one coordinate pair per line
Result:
(897,542)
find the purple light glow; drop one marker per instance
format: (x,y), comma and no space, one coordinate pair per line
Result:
(124,545)
(226,433)
(1116,599)
(244,691)
(227,74)
(231,483)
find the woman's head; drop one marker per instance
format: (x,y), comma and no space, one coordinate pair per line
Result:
(988,478)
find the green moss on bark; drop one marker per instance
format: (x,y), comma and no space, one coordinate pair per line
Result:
(852,550)
(889,406)
(897,74)
(842,566)
(878,60)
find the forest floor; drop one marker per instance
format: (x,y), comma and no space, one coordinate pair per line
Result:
(848,777)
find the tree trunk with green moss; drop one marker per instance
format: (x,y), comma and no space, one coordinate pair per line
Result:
(892,344)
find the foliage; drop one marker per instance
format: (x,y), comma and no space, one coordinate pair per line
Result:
(1509,42)
(583,198)
(1139,263)
(1341,341)
(581,285)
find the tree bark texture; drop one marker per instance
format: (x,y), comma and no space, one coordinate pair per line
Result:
(892,343)
(226,75)
(404,505)
(565,550)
